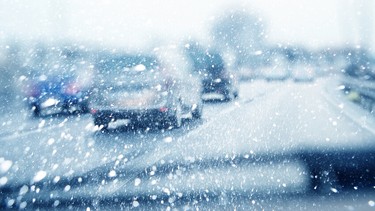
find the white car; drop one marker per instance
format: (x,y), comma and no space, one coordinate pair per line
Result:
(303,73)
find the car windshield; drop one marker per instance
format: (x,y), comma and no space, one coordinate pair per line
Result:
(187,105)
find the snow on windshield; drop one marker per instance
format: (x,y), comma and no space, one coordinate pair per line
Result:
(187,104)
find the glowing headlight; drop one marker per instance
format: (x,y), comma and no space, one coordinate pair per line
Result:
(218,80)
(49,102)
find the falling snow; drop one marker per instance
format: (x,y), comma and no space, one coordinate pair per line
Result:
(192,105)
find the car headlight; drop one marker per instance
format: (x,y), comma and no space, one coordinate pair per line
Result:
(49,102)
(217,80)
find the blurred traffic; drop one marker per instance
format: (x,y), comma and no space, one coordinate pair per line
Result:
(163,105)
(167,85)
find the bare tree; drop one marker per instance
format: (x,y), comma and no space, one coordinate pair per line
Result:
(239,32)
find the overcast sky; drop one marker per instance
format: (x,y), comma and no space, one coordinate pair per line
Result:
(317,23)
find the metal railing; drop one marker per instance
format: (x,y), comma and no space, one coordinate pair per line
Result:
(360,90)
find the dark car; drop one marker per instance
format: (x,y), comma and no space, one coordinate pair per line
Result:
(277,69)
(158,90)
(218,80)
(48,94)
(303,73)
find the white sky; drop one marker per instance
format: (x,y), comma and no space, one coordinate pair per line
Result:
(317,23)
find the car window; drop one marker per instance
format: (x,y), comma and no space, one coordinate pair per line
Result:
(127,70)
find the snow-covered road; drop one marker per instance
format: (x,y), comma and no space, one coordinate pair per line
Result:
(277,118)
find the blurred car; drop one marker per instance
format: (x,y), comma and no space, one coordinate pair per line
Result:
(54,94)
(275,72)
(218,80)
(303,73)
(159,90)
(277,69)
(360,71)
(246,74)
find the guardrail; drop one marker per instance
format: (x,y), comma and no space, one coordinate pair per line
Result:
(361,91)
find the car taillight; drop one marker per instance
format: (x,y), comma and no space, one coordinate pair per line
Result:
(163,109)
(93,111)
(72,89)
(31,90)
(34,91)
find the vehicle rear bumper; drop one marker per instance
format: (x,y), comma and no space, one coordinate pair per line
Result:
(214,87)
(138,115)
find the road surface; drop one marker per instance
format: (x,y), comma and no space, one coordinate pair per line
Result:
(268,119)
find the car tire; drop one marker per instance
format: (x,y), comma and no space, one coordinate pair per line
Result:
(36,111)
(235,94)
(197,113)
(84,107)
(100,122)
(229,96)
(175,120)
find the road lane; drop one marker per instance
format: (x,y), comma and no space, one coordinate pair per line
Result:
(294,118)
(289,118)
(267,118)
(66,146)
